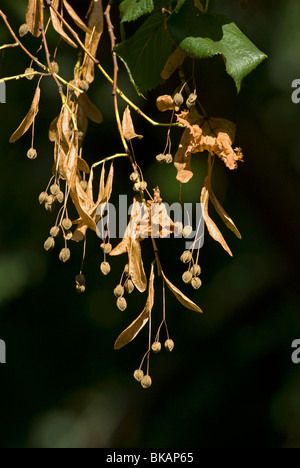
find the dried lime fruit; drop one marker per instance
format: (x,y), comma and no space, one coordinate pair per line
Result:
(196,270)
(67,224)
(137,186)
(106,247)
(191,100)
(196,283)
(80,280)
(54,231)
(54,189)
(27,71)
(186,257)
(80,289)
(121,304)
(119,291)
(143,185)
(105,268)
(32,153)
(65,255)
(178,99)
(169,345)
(129,286)
(60,197)
(156,347)
(23,30)
(134,176)
(146,381)
(43,197)
(169,159)
(187,277)
(161,158)
(187,231)
(55,67)
(49,244)
(138,374)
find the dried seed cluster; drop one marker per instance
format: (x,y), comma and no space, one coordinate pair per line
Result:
(164,158)
(72,173)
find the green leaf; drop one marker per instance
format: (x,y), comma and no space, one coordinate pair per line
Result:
(203,35)
(146,52)
(131,10)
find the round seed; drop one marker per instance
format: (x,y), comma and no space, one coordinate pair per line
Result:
(119,291)
(156,347)
(27,71)
(23,30)
(121,304)
(65,255)
(196,283)
(54,231)
(67,224)
(32,153)
(49,244)
(43,197)
(178,99)
(146,381)
(54,189)
(138,375)
(169,345)
(187,277)
(196,270)
(186,257)
(105,268)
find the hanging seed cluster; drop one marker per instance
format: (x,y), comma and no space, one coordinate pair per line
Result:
(77,191)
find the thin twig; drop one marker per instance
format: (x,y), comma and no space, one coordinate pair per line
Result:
(20,43)
(118,155)
(116,69)
(106,75)
(7,46)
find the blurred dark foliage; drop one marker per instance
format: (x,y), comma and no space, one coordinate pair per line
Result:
(230,381)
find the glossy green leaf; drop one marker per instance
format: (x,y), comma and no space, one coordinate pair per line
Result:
(146,52)
(131,10)
(203,35)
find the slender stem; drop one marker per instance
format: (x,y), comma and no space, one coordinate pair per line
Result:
(149,343)
(70,85)
(18,77)
(83,256)
(7,46)
(116,70)
(156,257)
(73,117)
(118,155)
(20,43)
(47,53)
(188,90)
(106,75)
(206,6)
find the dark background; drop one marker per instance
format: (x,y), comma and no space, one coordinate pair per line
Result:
(230,381)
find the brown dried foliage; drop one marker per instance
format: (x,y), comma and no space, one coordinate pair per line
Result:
(29,119)
(33,17)
(205,134)
(138,324)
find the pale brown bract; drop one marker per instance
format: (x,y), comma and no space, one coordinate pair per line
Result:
(214,135)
